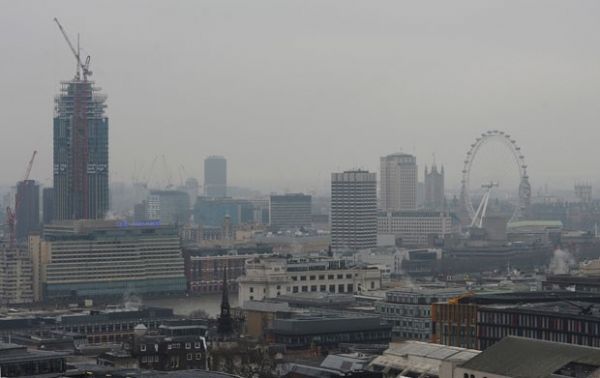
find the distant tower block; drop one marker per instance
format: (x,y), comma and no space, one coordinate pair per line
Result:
(583,192)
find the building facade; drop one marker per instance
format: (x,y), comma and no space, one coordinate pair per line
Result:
(106,258)
(409,310)
(210,211)
(289,211)
(28,209)
(215,177)
(80,152)
(16,275)
(398,182)
(168,206)
(47,205)
(416,228)
(275,276)
(353,210)
(434,188)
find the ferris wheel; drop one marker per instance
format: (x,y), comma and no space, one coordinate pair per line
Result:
(524,191)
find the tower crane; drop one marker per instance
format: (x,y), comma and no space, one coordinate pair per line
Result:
(11,215)
(81,66)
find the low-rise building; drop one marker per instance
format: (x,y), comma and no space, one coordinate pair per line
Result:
(514,357)
(18,361)
(417,228)
(16,275)
(327,331)
(275,276)
(409,310)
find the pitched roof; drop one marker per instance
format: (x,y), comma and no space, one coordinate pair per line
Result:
(521,357)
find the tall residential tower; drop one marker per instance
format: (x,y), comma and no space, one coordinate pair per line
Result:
(353,210)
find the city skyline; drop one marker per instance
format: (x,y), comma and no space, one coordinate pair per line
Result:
(241,106)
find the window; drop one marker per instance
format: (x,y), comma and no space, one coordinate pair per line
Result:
(197,345)
(321,276)
(251,297)
(198,356)
(143,347)
(313,288)
(340,276)
(304,289)
(330,277)
(323,288)
(294,278)
(295,289)
(332,288)
(252,290)
(340,288)
(348,276)
(278,287)
(312,278)
(189,356)
(350,288)
(169,346)
(188,345)
(302,278)
(372,284)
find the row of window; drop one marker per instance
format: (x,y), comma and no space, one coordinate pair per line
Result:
(322,277)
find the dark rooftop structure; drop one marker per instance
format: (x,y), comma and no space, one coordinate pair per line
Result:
(17,361)
(522,357)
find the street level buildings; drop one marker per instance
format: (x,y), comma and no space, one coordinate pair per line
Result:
(398,182)
(106,258)
(353,210)
(275,276)
(289,211)
(215,177)
(80,152)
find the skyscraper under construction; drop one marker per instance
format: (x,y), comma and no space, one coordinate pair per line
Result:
(80,147)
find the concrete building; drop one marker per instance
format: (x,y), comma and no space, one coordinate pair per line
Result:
(47,205)
(398,182)
(409,310)
(417,228)
(28,210)
(215,177)
(353,210)
(168,206)
(516,357)
(16,276)
(434,188)
(80,152)
(275,276)
(106,258)
(192,188)
(289,211)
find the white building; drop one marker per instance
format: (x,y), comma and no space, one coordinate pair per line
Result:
(353,210)
(274,276)
(398,182)
(415,228)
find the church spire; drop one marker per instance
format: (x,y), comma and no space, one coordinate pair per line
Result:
(225,323)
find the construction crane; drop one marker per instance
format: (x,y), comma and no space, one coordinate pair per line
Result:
(81,66)
(11,216)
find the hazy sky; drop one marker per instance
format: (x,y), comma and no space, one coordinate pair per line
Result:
(290,91)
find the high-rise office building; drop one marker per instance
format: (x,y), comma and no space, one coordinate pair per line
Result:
(434,188)
(28,210)
(168,206)
(290,210)
(398,186)
(80,151)
(353,210)
(47,205)
(215,177)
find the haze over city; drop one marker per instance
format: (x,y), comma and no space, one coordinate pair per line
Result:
(291,91)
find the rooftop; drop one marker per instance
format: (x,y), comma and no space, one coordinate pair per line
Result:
(521,357)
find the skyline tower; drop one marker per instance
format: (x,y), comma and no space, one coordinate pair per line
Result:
(398,182)
(80,145)
(215,177)
(353,210)
(28,211)
(434,188)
